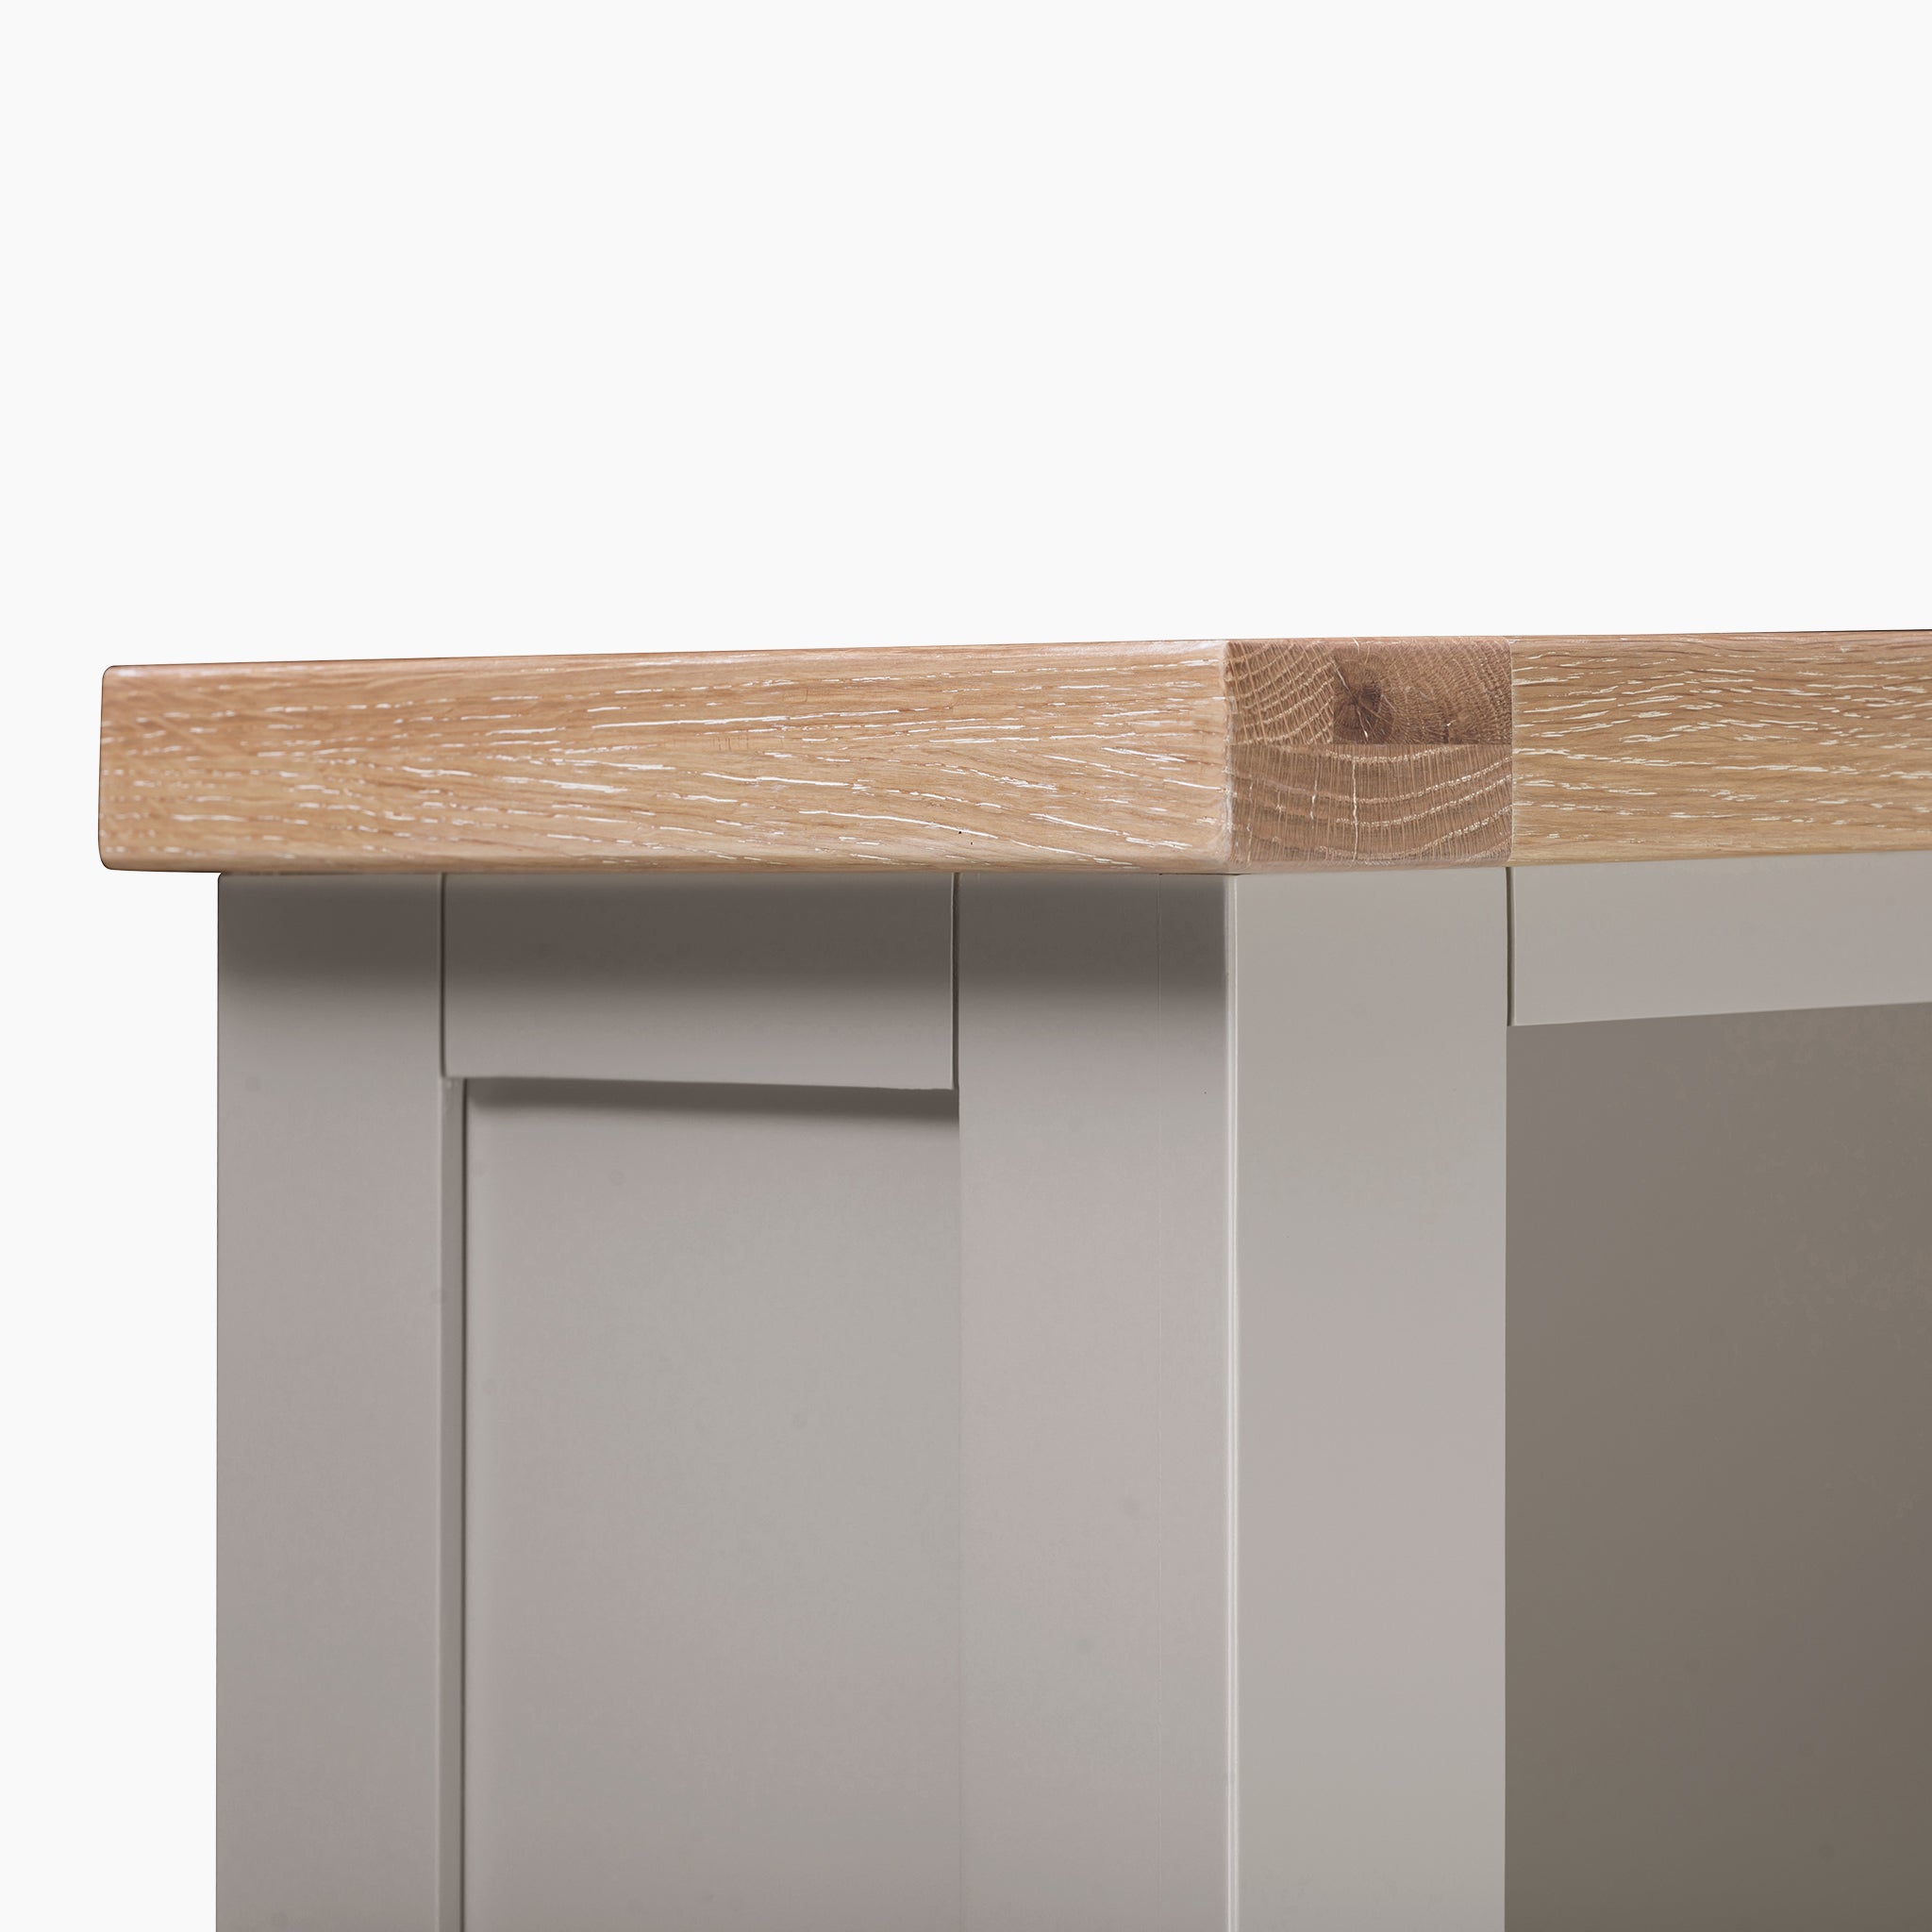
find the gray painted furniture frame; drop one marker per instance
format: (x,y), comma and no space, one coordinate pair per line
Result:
(1217,1516)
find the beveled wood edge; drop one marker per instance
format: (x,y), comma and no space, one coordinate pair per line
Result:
(1223,756)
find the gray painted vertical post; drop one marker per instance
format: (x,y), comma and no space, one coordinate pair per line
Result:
(1095,1416)
(1370,1172)
(340,1380)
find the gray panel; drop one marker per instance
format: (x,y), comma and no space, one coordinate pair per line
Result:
(813,981)
(1721,1473)
(1371,1133)
(340,1343)
(1093,1096)
(713,1650)
(1721,936)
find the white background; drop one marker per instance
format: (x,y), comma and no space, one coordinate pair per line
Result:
(346,330)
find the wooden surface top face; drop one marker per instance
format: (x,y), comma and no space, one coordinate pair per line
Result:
(1250,754)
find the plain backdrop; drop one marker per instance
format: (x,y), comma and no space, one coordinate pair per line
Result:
(334,330)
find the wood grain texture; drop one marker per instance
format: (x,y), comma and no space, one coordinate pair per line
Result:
(1370,751)
(1011,757)
(1250,756)
(1715,746)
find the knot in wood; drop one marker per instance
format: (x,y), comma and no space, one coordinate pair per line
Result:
(1363,714)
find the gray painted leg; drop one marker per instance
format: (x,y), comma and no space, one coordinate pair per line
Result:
(1371,1073)
(1094,1120)
(340,1388)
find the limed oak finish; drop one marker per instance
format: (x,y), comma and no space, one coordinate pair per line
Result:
(1221,756)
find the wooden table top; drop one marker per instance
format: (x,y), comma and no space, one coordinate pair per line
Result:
(1249,755)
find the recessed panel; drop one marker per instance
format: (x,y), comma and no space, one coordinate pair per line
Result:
(1721,1473)
(713,1634)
